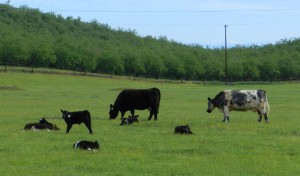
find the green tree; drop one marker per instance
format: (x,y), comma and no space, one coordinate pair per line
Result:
(174,68)
(289,68)
(41,55)
(251,71)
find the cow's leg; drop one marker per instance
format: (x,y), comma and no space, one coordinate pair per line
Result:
(266,118)
(155,116)
(89,126)
(122,114)
(151,114)
(259,116)
(69,126)
(226,114)
(132,112)
(155,113)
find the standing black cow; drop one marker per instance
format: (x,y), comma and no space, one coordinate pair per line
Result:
(77,118)
(140,99)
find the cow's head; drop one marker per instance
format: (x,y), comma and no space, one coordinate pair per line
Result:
(113,112)
(65,114)
(55,127)
(211,105)
(97,145)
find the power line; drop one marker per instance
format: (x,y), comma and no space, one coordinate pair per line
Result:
(173,11)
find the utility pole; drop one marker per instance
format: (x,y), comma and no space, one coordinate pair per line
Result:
(226,73)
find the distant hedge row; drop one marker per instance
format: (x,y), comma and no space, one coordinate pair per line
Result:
(31,38)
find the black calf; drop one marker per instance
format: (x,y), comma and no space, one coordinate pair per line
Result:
(77,118)
(185,129)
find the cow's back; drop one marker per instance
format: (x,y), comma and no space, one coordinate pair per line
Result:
(80,116)
(137,99)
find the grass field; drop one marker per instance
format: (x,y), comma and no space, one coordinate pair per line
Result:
(241,147)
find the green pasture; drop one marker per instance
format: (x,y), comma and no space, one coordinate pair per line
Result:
(241,147)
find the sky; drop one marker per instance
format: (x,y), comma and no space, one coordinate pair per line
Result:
(193,22)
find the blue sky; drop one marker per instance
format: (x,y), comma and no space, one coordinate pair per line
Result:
(187,21)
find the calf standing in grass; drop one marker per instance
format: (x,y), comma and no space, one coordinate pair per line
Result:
(77,118)
(86,145)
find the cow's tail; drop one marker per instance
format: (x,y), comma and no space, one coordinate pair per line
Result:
(267,107)
(158,99)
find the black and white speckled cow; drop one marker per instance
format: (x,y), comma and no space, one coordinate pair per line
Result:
(240,100)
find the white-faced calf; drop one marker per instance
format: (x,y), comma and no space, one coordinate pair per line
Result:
(86,145)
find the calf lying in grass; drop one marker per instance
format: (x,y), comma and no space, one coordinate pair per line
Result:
(42,125)
(184,129)
(129,120)
(86,145)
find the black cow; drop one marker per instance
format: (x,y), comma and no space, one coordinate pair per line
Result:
(140,99)
(184,129)
(39,126)
(77,118)
(86,145)
(129,120)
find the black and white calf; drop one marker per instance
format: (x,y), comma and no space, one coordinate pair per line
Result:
(240,100)
(38,126)
(77,118)
(86,145)
(42,125)
(129,120)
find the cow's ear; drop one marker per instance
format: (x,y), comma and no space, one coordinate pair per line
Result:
(209,99)
(111,106)
(62,111)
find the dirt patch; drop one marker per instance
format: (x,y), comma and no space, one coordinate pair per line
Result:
(10,87)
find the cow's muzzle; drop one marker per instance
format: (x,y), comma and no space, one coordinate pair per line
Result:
(209,111)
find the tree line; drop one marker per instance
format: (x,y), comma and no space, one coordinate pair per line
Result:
(31,38)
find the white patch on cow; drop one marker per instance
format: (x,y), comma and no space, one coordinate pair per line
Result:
(252,102)
(69,116)
(33,128)
(76,144)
